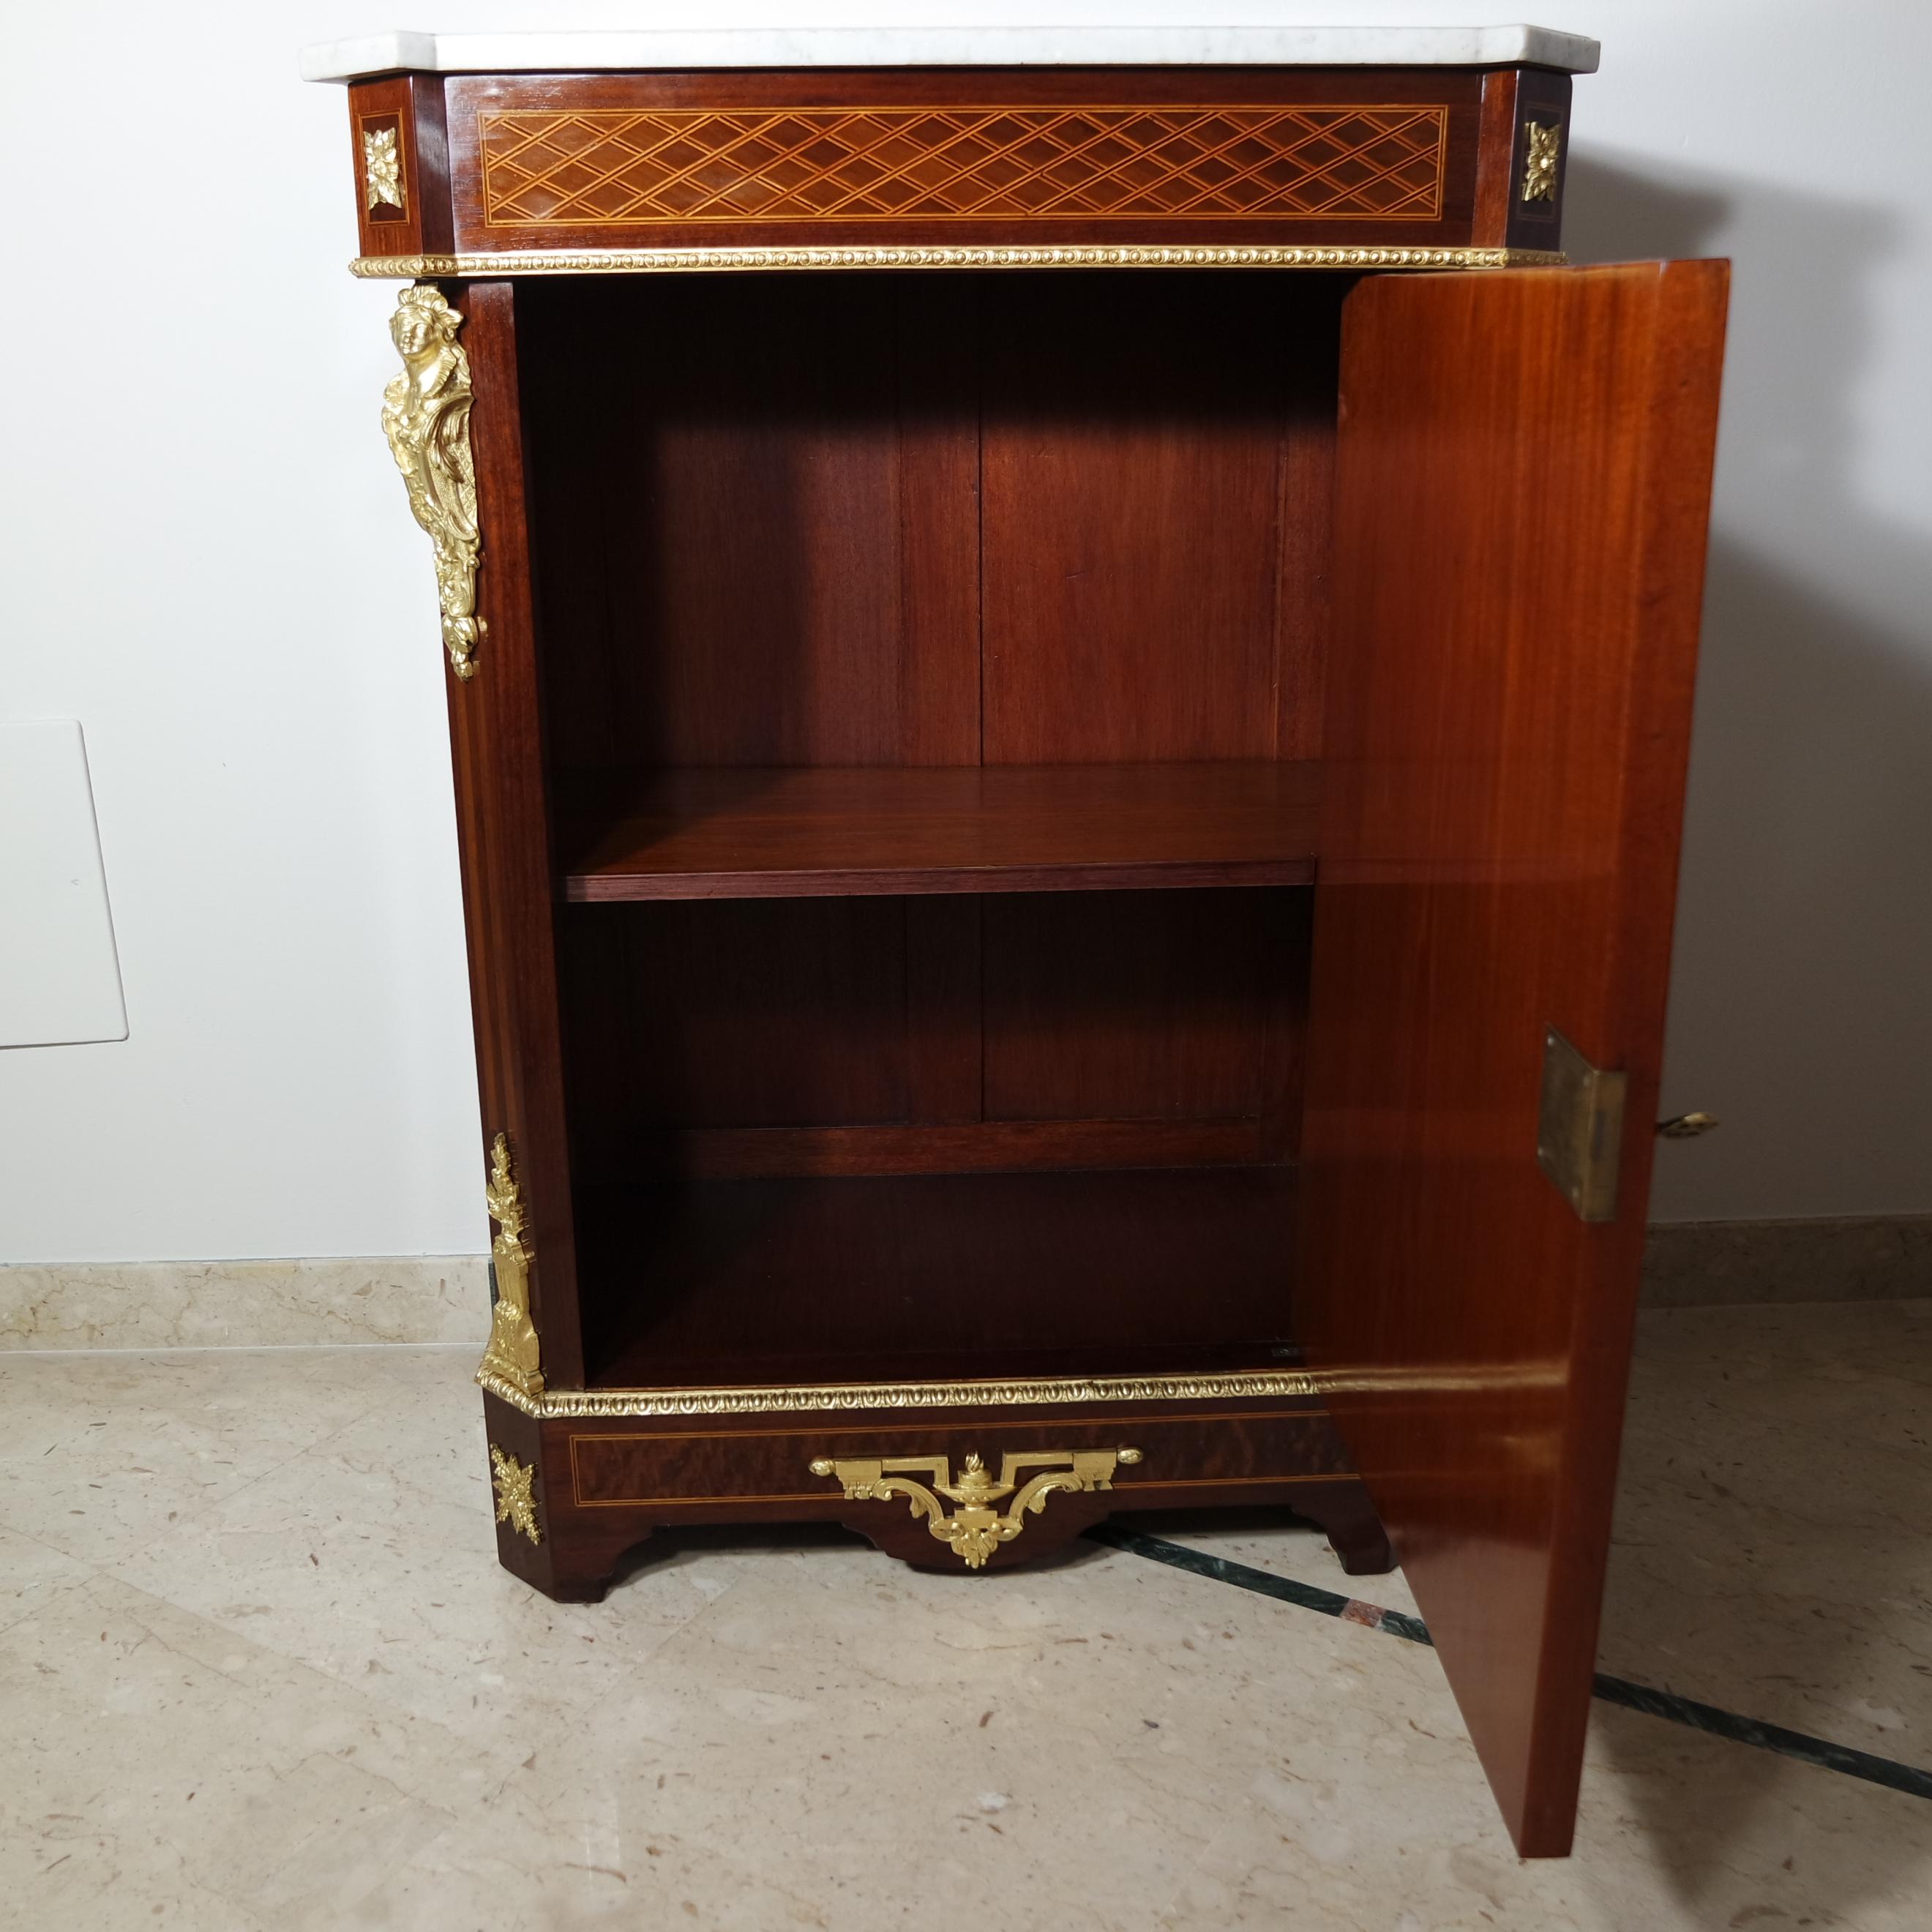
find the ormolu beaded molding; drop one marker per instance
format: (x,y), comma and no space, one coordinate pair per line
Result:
(1053,1390)
(675,261)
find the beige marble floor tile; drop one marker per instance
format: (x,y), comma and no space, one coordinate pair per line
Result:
(380,1729)
(1773,1549)
(373,1558)
(1844,1373)
(1720,1834)
(32,1574)
(102,1454)
(1117,1745)
(1802,1341)
(155,1768)
(1677,1832)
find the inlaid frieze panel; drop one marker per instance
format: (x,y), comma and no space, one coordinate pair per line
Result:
(684,1468)
(602,167)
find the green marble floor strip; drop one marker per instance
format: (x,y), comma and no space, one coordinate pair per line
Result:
(1263,1582)
(1665,1704)
(1800,1744)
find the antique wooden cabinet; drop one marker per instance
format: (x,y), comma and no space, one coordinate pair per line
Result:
(1070,657)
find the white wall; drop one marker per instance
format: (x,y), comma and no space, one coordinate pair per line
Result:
(207,560)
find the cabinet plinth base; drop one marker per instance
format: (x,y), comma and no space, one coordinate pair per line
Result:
(958,1492)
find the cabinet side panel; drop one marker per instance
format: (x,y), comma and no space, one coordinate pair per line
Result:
(400,159)
(1524,469)
(1519,175)
(502,824)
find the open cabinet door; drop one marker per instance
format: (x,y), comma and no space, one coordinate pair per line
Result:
(1524,471)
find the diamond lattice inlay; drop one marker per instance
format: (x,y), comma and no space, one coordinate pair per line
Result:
(597,167)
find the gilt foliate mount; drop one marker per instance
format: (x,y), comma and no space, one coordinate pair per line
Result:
(974,1529)
(515,1485)
(426,418)
(514,1358)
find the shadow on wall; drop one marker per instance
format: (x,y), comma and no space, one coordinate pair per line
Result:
(1795,1014)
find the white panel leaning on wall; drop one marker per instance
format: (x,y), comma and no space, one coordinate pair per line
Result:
(60,980)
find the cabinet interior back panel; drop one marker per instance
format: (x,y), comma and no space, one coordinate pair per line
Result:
(1116,1005)
(927,519)
(1132,552)
(931,520)
(743,1012)
(760,532)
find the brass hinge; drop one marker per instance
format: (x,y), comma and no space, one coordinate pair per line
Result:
(1580,1128)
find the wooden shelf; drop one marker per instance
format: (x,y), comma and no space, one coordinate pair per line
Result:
(815,833)
(1113,1271)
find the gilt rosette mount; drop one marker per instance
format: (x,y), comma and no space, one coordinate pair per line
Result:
(426,418)
(1543,147)
(382,168)
(975,1528)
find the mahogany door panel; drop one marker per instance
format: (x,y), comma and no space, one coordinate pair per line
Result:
(1523,471)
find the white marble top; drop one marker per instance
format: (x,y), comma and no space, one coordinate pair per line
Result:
(677,50)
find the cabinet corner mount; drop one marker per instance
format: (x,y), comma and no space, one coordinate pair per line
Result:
(426,418)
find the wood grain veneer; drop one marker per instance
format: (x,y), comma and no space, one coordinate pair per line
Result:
(1524,470)
(606,1484)
(880,671)
(1238,154)
(863,1034)
(502,813)
(811,832)
(930,519)
(979,1274)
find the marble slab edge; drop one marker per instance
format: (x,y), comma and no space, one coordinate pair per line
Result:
(684,52)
